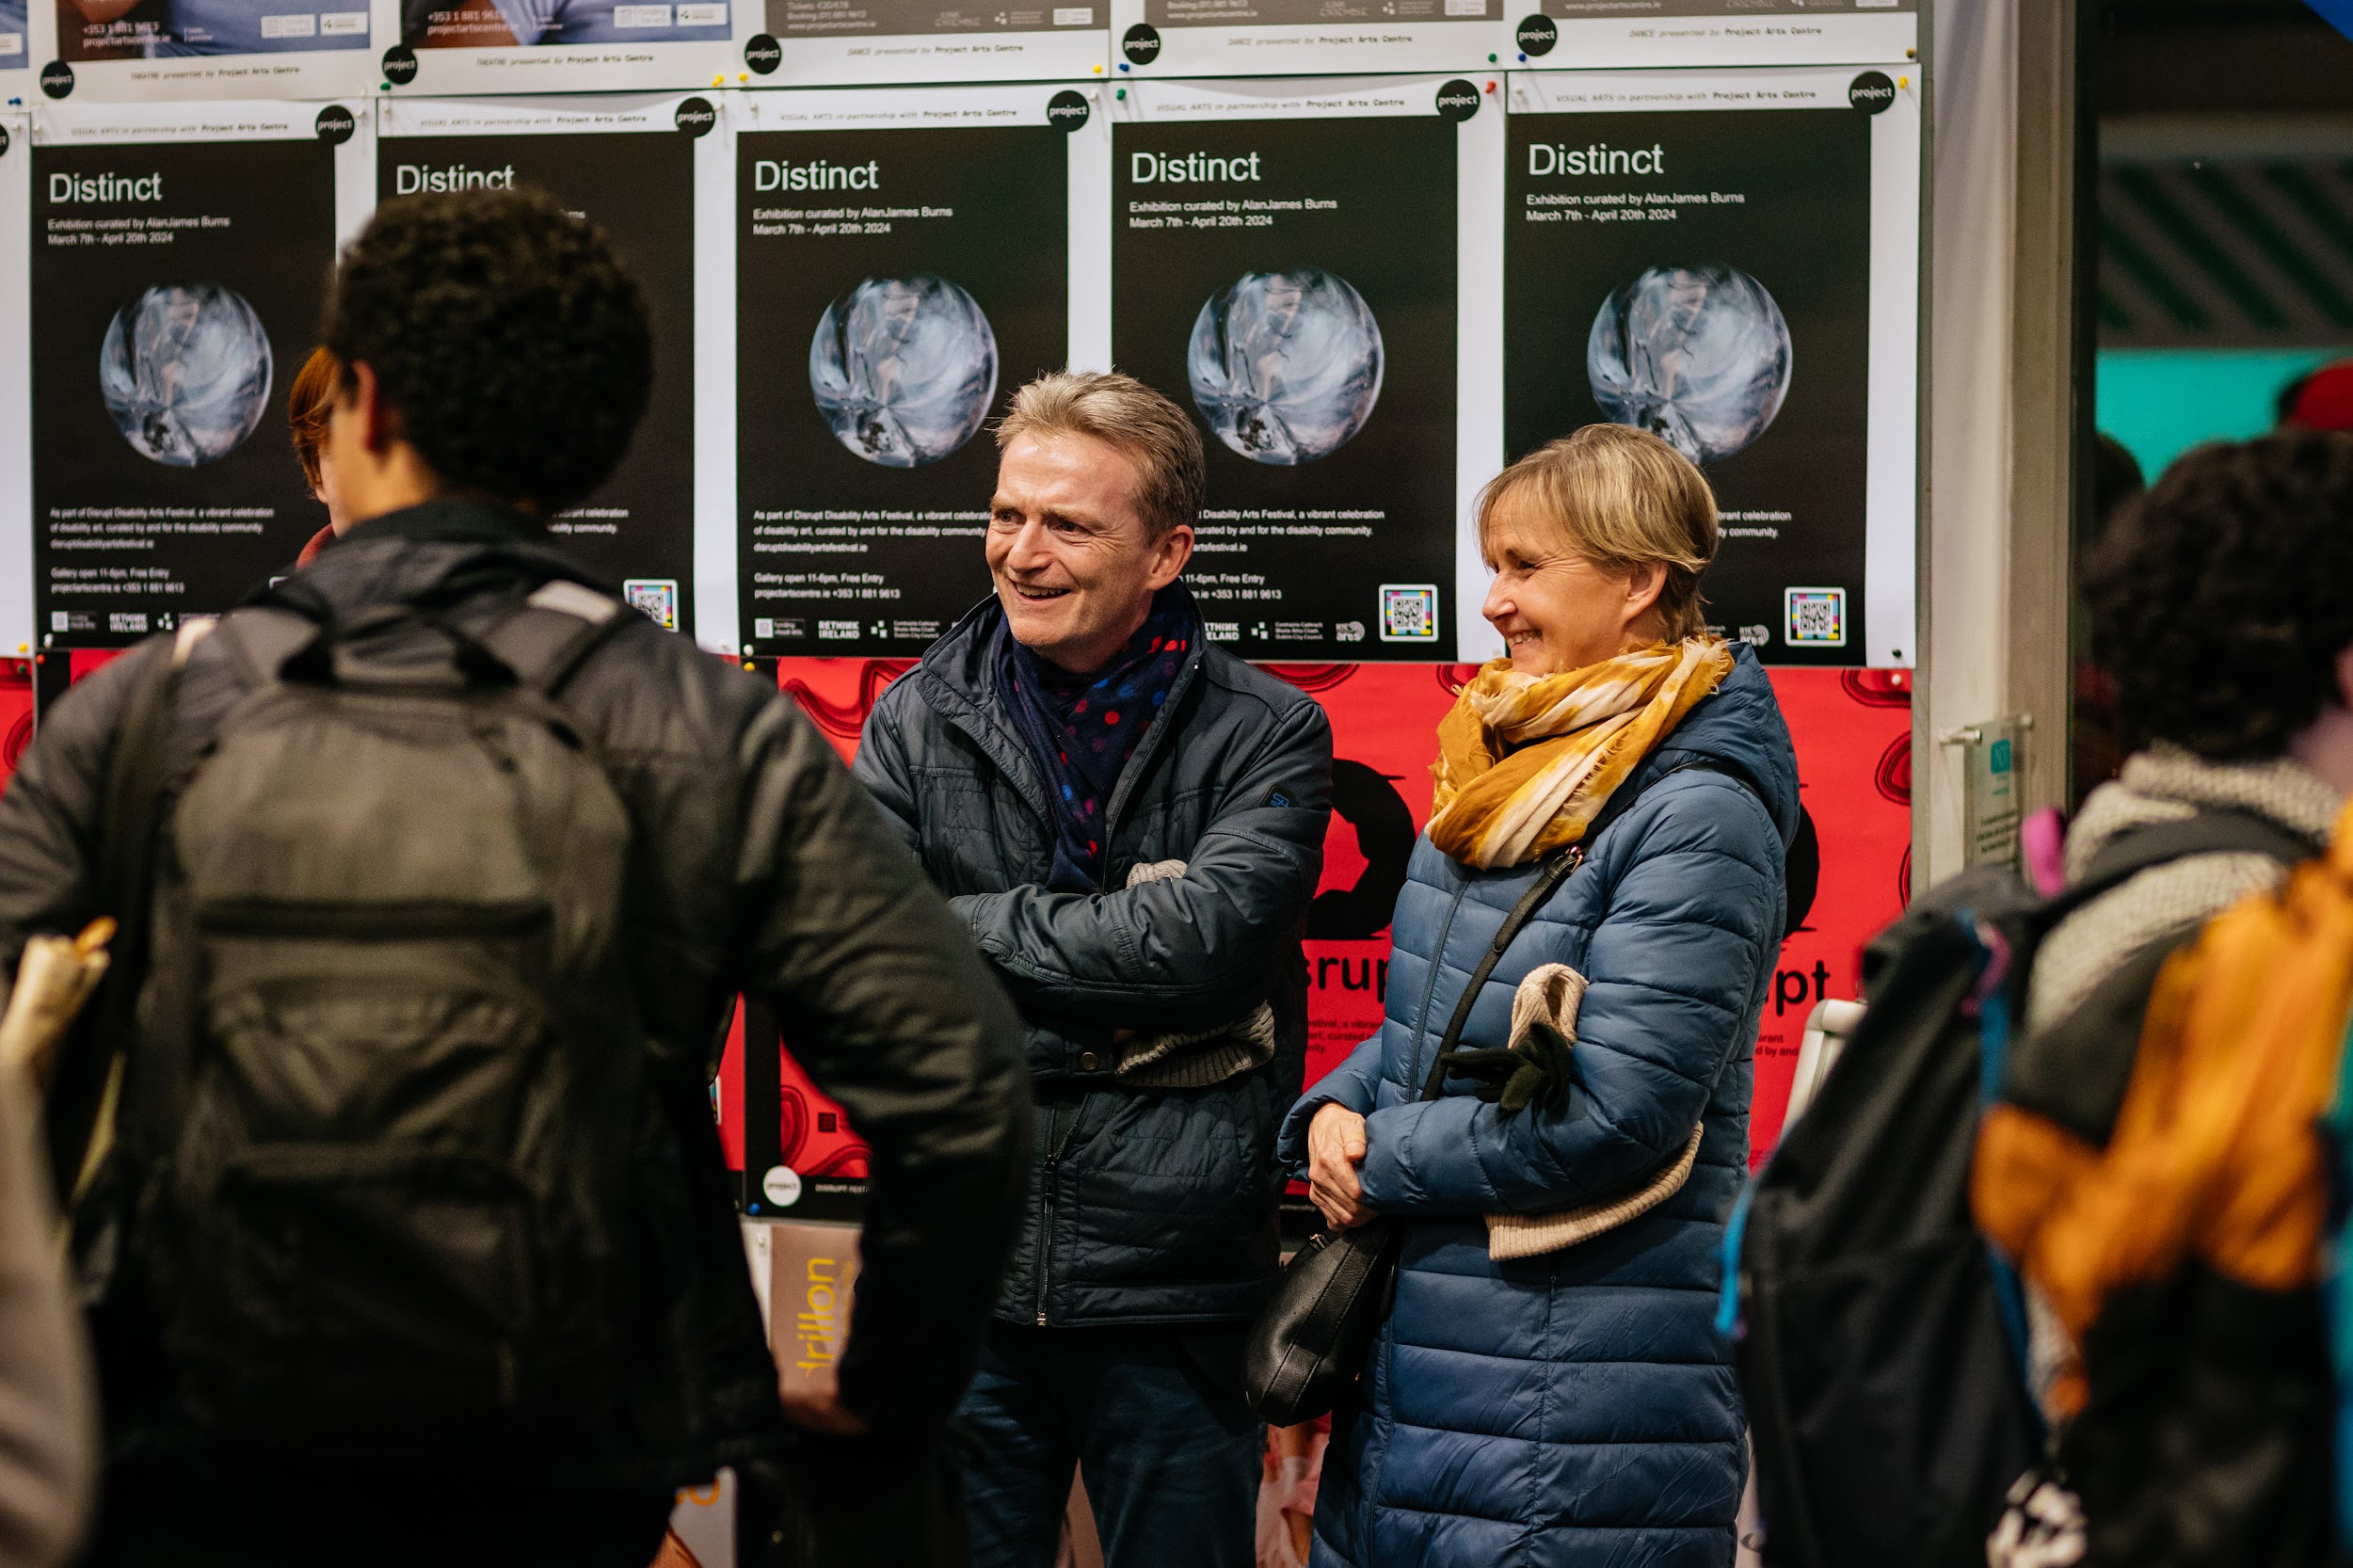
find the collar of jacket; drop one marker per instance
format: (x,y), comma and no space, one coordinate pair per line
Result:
(442,546)
(959,681)
(454,520)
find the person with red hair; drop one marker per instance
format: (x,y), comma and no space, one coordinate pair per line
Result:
(307,404)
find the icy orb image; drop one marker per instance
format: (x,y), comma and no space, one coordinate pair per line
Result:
(185,371)
(903,369)
(1699,355)
(1286,366)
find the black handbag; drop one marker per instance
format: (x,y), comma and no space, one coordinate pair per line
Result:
(1310,1343)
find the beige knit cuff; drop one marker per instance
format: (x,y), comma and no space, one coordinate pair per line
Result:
(1510,1235)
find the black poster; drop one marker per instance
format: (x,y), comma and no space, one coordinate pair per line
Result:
(1292,282)
(1706,275)
(637,532)
(176,290)
(892,288)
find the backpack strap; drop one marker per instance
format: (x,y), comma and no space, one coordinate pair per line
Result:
(2137,849)
(551,635)
(542,641)
(261,638)
(2074,1070)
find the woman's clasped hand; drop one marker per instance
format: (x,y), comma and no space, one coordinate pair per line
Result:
(1335,1146)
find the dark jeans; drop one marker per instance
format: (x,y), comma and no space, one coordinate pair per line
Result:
(160,1515)
(1153,1417)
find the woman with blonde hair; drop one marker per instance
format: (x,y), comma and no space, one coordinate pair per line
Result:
(1549,1390)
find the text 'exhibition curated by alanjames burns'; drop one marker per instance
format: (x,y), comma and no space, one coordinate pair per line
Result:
(1379,247)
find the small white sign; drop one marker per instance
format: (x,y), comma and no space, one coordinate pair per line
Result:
(343,24)
(641,16)
(303,25)
(1074,16)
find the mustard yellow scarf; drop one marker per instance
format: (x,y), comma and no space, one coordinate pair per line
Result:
(1527,761)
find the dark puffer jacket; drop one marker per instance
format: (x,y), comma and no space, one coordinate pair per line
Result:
(1145,1205)
(757,866)
(1576,1409)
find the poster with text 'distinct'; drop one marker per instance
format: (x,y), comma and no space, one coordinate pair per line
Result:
(811,42)
(1309,268)
(1569,33)
(178,253)
(143,51)
(1731,260)
(629,163)
(903,261)
(467,46)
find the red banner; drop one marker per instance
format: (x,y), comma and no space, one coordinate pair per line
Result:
(1847,874)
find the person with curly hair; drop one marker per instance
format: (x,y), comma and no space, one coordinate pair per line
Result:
(354,1374)
(2223,627)
(2221,621)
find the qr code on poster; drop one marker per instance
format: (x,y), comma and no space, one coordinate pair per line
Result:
(1816,617)
(1408,612)
(657,596)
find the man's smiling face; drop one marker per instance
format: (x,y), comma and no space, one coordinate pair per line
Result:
(1075,563)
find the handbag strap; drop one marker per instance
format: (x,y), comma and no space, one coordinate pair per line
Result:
(1556,871)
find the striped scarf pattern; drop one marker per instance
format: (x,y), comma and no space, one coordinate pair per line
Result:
(1526,762)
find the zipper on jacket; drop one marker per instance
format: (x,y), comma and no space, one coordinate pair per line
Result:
(1046,1192)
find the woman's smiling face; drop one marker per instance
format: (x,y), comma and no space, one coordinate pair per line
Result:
(1559,611)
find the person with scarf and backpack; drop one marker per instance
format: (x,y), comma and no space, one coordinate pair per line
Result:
(2152,1163)
(1549,1389)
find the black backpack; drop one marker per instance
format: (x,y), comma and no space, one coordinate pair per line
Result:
(385,1148)
(1880,1348)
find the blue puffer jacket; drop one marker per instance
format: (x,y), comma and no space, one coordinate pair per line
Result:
(1578,1409)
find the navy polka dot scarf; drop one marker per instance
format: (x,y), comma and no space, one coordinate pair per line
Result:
(1082,730)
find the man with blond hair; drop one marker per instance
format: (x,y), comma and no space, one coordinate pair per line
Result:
(1130,823)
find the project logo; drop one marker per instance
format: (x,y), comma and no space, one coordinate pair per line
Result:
(1408,612)
(762,53)
(695,117)
(1067,110)
(1537,35)
(1871,91)
(1458,100)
